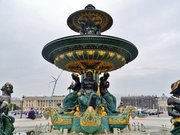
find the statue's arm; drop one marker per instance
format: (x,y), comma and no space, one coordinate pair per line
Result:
(172,112)
(107,84)
(171,108)
(176,100)
(95,86)
(77,86)
(82,85)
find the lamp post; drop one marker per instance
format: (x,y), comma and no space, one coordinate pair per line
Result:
(157,105)
(22,106)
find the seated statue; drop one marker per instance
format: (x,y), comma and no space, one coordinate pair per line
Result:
(6,122)
(87,95)
(174,107)
(108,99)
(71,100)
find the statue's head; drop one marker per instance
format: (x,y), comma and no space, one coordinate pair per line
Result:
(77,108)
(175,87)
(89,75)
(74,75)
(102,107)
(106,75)
(7,88)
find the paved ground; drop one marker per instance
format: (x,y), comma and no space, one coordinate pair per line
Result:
(153,125)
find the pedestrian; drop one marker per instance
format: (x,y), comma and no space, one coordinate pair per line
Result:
(31,114)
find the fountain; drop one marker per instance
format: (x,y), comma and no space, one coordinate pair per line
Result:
(90,108)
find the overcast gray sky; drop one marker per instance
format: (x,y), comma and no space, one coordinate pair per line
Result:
(26,26)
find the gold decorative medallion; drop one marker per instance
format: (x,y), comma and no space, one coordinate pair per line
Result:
(90,118)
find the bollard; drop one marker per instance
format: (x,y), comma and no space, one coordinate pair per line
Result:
(65,132)
(138,126)
(61,130)
(143,129)
(118,131)
(105,131)
(134,125)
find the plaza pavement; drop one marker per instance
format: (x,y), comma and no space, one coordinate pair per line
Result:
(154,125)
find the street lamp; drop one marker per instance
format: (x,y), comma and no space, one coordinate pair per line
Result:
(22,106)
(157,105)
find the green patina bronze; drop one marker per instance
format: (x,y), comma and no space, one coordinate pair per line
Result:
(78,53)
(174,107)
(6,122)
(90,108)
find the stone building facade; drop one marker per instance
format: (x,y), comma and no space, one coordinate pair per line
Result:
(162,103)
(40,103)
(148,102)
(16,101)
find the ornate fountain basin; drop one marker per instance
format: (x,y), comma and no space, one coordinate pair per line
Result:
(97,52)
